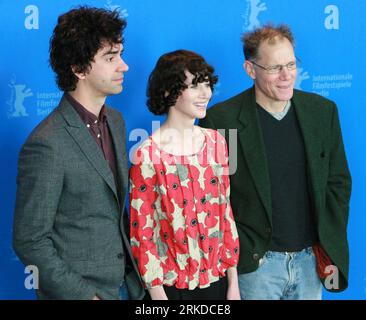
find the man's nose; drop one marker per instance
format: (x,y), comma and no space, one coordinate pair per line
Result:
(123,66)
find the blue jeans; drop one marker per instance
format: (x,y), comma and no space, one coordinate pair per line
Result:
(123,292)
(283,276)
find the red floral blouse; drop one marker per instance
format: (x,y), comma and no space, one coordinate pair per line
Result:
(182,227)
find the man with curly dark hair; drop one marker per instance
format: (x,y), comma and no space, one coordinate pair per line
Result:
(72,171)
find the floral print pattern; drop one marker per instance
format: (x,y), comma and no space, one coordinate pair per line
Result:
(182,227)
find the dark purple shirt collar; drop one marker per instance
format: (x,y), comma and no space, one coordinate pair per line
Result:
(85,115)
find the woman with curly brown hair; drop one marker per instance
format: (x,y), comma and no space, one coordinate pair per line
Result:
(183,234)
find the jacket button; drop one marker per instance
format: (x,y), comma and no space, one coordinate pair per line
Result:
(120,256)
(256,256)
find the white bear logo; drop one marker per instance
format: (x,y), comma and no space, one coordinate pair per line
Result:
(19,93)
(301,76)
(255,8)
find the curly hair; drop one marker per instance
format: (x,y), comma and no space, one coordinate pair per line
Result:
(76,39)
(167,80)
(252,40)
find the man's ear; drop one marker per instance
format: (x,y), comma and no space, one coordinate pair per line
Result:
(249,69)
(79,75)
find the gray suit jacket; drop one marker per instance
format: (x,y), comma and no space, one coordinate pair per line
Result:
(69,212)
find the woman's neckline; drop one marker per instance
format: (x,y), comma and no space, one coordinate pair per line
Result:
(183,155)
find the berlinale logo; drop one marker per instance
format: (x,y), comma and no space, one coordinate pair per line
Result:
(301,76)
(16,100)
(113,7)
(255,7)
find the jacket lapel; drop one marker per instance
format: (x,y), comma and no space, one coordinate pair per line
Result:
(250,137)
(120,152)
(310,128)
(83,138)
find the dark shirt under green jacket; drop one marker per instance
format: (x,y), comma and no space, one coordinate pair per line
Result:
(329,180)
(292,217)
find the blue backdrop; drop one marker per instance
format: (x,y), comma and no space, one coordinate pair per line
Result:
(329,41)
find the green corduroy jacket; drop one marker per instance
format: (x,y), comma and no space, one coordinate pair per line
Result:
(328,175)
